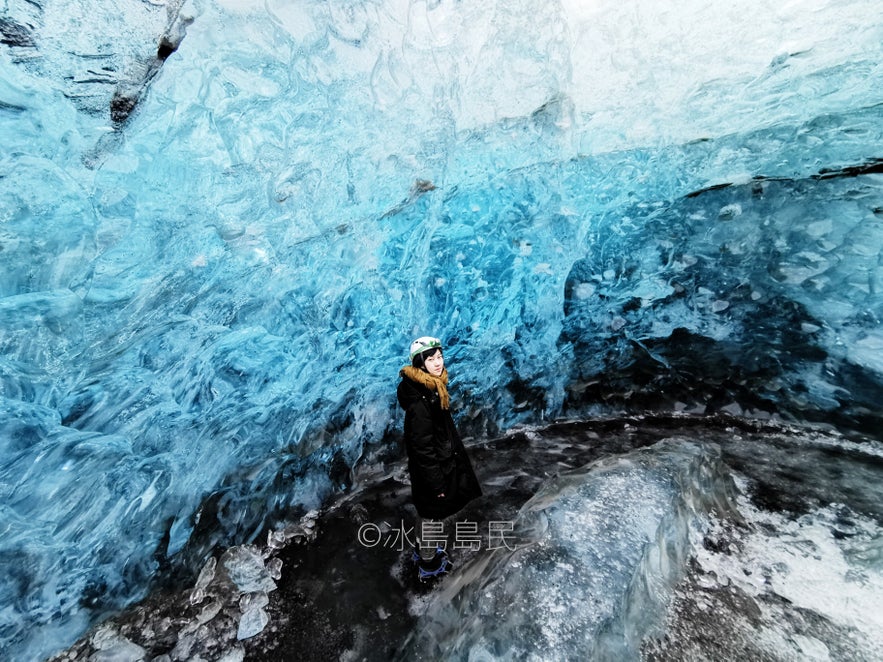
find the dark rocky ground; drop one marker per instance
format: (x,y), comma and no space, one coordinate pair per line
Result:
(338,598)
(342,600)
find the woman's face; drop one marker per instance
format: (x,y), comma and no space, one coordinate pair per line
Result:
(435,363)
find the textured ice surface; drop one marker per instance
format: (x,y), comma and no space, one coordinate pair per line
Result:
(791,585)
(767,290)
(787,569)
(204,300)
(801,563)
(659,554)
(592,565)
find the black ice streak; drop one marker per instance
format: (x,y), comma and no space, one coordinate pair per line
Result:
(16,35)
(126,97)
(869,167)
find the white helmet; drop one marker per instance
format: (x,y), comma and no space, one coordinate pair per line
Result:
(422,344)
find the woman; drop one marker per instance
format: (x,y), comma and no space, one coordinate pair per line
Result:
(442,479)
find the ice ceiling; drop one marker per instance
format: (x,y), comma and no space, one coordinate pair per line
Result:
(221,222)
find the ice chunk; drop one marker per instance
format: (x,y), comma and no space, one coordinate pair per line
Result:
(113,647)
(244,566)
(274,568)
(209,612)
(206,575)
(276,539)
(252,623)
(598,553)
(251,601)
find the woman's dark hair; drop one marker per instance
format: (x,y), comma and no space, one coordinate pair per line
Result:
(420,359)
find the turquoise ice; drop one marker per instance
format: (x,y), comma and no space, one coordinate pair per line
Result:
(221,222)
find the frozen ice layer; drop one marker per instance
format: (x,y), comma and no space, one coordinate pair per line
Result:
(787,568)
(776,281)
(221,222)
(591,566)
(100,53)
(803,579)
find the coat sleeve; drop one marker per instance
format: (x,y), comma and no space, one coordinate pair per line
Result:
(423,452)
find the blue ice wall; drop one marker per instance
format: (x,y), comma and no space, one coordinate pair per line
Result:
(761,297)
(221,223)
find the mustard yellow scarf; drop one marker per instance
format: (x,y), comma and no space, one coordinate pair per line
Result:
(438,384)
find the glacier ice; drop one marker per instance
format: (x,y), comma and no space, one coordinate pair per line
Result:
(786,566)
(113,647)
(599,551)
(785,320)
(598,206)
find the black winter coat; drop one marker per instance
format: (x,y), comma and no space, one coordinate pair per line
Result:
(437,461)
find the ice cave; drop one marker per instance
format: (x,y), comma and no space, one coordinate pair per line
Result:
(650,236)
